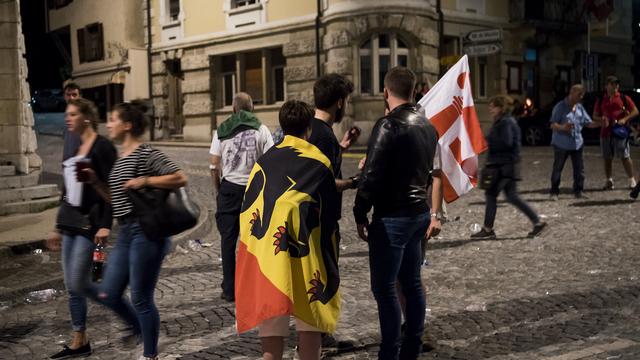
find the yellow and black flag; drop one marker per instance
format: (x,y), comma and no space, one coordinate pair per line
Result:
(287,258)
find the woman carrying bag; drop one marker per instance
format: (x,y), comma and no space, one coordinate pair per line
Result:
(136,258)
(503,165)
(84,218)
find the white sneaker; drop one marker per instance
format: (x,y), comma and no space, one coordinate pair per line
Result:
(608,185)
(632,183)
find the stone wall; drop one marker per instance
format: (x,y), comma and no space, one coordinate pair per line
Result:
(17,135)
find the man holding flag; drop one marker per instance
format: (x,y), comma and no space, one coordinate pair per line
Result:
(394,182)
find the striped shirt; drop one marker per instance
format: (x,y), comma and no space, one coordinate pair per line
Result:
(143,161)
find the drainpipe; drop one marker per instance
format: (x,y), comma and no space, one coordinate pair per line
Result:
(319,14)
(149,72)
(440,33)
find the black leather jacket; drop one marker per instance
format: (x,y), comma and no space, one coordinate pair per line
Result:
(398,167)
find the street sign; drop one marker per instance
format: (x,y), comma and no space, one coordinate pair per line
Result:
(484,36)
(482,49)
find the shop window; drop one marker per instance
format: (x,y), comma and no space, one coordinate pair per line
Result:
(378,54)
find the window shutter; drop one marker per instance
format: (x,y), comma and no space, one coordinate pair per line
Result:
(81,45)
(100,43)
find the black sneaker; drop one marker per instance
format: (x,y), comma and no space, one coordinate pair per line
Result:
(67,353)
(484,234)
(580,195)
(537,229)
(634,193)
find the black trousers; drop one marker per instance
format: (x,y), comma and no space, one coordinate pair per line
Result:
(559,159)
(508,185)
(229,202)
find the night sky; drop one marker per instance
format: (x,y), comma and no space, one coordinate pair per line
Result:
(43,59)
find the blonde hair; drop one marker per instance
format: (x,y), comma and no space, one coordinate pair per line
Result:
(505,102)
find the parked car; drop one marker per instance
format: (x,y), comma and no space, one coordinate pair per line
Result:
(534,122)
(48,100)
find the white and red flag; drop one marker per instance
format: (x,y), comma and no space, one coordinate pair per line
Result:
(449,107)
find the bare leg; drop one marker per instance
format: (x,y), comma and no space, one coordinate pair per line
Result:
(628,167)
(608,168)
(309,344)
(78,340)
(272,347)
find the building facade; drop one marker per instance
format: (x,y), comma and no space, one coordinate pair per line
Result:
(204,51)
(103,43)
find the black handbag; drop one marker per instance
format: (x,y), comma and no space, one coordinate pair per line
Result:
(487,177)
(70,218)
(162,213)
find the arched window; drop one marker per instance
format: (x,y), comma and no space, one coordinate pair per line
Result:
(378,54)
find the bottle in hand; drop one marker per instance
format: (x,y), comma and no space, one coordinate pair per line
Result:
(99,258)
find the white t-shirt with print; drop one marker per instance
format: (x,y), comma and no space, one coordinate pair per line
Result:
(239,153)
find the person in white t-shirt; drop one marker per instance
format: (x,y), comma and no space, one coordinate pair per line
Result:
(236,146)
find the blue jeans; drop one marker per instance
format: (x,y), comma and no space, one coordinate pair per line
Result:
(395,255)
(76,264)
(135,261)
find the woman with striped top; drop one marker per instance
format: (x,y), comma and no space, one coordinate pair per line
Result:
(136,259)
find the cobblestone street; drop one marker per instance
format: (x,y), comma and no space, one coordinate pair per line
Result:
(572,293)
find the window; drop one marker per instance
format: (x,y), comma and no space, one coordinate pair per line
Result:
(514,74)
(174,10)
(482,77)
(259,73)
(171,15)
(240,3)
(90,43)
(228,79)
(241,13)
(378,54)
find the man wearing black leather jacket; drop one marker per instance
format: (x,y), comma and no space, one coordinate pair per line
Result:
(394,182)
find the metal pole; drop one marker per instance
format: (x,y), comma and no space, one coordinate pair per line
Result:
(441,35)
(318,15)
(149,71)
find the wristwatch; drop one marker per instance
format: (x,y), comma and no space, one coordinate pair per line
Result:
(355,180)
(435,216)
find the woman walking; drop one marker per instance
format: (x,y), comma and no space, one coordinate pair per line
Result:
(136,259)
(503,159)
(84,218)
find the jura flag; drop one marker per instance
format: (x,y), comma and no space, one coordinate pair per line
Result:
(449,107)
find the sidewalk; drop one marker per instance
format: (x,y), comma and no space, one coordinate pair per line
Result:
(28,230)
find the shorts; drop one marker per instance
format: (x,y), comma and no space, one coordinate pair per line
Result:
(279,326)
(612,146)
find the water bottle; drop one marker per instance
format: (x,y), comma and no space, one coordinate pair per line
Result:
(99,258)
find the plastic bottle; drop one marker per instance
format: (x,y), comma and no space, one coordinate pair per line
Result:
(99,258)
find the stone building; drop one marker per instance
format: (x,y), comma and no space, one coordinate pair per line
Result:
(20,166)
(104,45)
(204,51)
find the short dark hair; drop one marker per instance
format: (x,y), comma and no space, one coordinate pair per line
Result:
(330,88)
(88,110)
(400,82)
(613,79)
(72,86)
(134,112)
(295,117)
